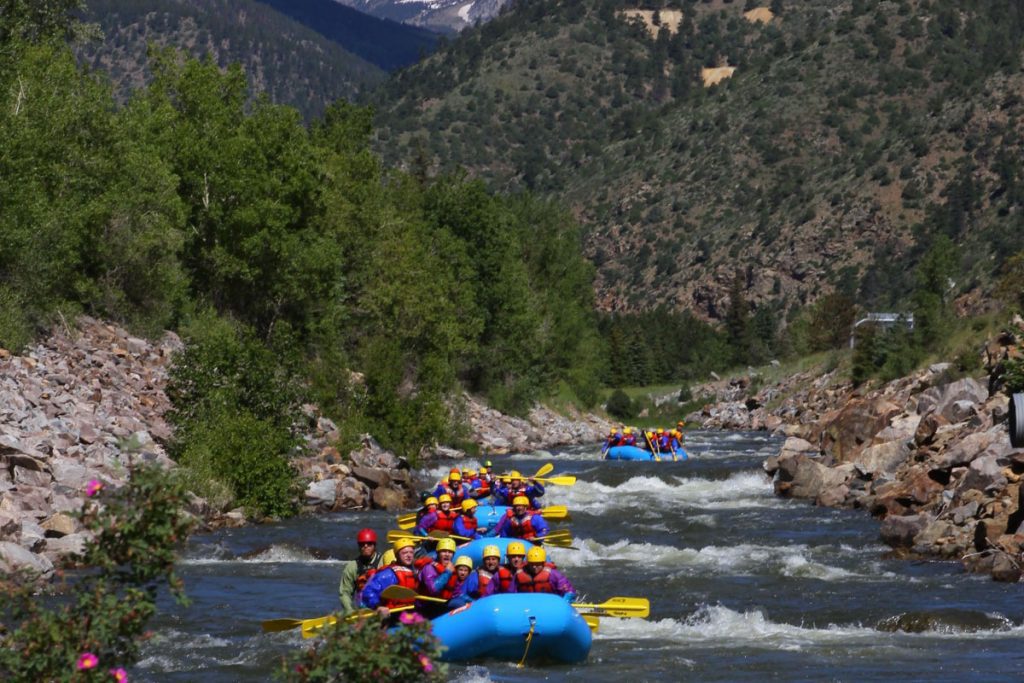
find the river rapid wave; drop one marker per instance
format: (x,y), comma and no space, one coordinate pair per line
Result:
(743,585)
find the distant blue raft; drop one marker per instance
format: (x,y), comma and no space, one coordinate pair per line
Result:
(636,453)
(497,627)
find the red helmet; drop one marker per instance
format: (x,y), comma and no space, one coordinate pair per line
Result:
(367,536)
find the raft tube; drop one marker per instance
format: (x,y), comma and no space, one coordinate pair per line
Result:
(496,627)
(489,515)
(637,453)
(474,550)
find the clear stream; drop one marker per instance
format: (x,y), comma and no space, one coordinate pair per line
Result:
(743,585)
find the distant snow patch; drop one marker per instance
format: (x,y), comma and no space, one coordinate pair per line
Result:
(464,12)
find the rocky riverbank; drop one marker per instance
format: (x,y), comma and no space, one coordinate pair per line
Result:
(88,401)
(929,455)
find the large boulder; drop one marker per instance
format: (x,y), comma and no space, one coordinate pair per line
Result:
(852,428)
(372,477)
(799,476)
(322,492)
(900,531)
(943,399)
(389,499)
(15,558)
(883,457)
(984,474)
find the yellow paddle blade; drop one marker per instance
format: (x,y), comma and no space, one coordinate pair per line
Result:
(402,593)
(437,533)
(634,608)
(405,519)
(592,621)
(563,480)
(274,625)
(544,469)
(395,535)
(555,512)
(405,526)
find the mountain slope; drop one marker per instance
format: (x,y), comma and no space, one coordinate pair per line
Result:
(848,138)
(445,16)
(290,62)
(388,44)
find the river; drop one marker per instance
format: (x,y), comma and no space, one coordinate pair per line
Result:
(743,585)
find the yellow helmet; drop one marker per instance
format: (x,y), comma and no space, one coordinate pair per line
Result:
(464,561)
(455,476)
(660,430)
(650,433)
(515,548)
(468,505)
(514,474)
(612,430)
(469,473)
(536,554)
(387,558)
(520,500)
(446,544)
(492,551)
(430,501)
(483,470)
(444,498)
(627,430)
(401,544)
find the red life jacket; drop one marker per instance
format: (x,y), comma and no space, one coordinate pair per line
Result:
(407,579)
(469,522)
(503,576)
(449,588)
(367,574)
(541,583)
(457,493)
(522,528)
(445,520)
(421,562)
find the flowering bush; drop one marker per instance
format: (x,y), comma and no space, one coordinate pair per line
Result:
(94,629)
(363,651)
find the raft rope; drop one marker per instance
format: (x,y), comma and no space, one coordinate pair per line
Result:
(529,639)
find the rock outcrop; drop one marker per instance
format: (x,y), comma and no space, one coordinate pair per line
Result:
(928,454)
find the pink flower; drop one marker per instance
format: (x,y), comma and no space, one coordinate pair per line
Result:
(120,675)
(411,618)
(425,663)
(87,661)
(93,487)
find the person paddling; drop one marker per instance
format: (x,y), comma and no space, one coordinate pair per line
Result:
(520,522)
(506,492)
(538,577)
(466,523)
(461,585)
(399,573)
(492,578)
(453,487)
(441,519)
(357,572)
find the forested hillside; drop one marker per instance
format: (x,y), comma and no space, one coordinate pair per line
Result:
(307,54)
(296,266)
(851,135)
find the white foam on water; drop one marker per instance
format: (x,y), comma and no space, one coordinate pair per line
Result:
(167,646)
(725,628)
(475,674)
(743,559)
(739,490)
(275,554)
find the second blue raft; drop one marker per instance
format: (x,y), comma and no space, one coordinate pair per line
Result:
(639,454)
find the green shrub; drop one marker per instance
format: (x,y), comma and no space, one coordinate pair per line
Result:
(15,329)
(364,652)
(102,614)
(620,405)
(685,395)
(1014,376)
(245,454)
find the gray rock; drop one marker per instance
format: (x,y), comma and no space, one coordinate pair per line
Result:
(70,473)
(1005,569)
(27,477)
(58,548)
(984,474)
(59,525)
(884,457)
(964,451)
(388,499)
(352,493)
(961,411)
(900,530)
(322,492)
(964,512)
(372,477)
(13,557)
(942,398)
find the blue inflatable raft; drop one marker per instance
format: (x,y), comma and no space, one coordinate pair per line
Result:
(497,627)
(636,453)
